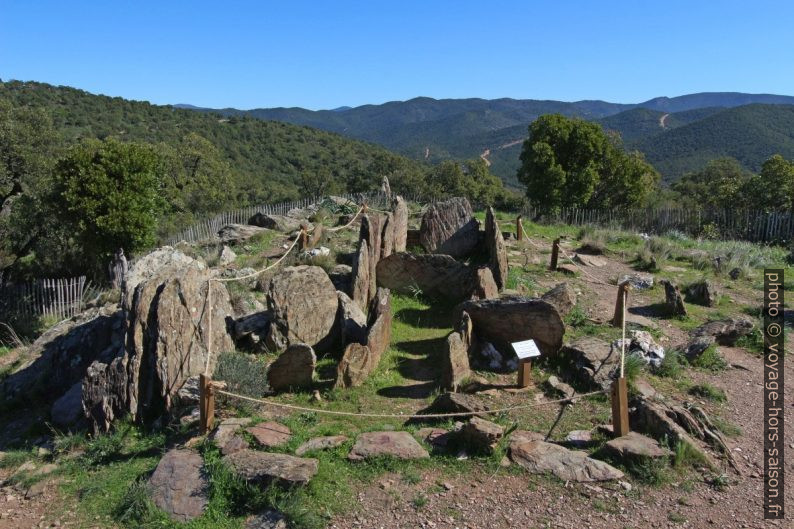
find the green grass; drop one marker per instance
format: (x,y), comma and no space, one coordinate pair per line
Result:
(670,366)
(710,360)
(707,391)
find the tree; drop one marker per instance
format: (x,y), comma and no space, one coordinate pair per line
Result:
(571,162)
(773,188)
(721,184)
(109,194)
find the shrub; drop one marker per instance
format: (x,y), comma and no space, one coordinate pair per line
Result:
(710,359)
(707,391)
(577,317)
(243,374)
(670,365)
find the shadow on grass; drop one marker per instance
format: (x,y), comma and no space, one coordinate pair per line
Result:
(654,310)
(430,318)
(413,391)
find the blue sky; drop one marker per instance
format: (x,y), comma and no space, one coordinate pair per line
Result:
(325,54)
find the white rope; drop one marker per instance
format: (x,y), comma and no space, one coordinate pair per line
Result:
(401,416)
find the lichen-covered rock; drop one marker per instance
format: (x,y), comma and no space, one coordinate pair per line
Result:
(454,362)
(400,223)
(434,275)
(294,368)
(303,304)
(179,485)
(497,251)
(449,227)
(400,445)
(562,297)
(266,468)
(540,457)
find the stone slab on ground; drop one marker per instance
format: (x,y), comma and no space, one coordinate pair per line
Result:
(179,485)
(540,457)
(396,444)
(270,434)
(320,443)
(637,446)
(225,431)
(265,468)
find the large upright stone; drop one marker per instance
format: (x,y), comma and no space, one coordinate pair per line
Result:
(400,220)
(439,276)
(303,303)
(449,227)
(507,320)
(361,274)
(673,300)
(485,286)
(294,368)
(372,232)
(387,236)
(454,362)
(497,251)
(351,320)
(179,486)
(361,359)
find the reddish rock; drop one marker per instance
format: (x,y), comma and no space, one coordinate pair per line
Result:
(270,434)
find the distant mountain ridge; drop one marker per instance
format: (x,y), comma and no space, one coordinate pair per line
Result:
(430,129)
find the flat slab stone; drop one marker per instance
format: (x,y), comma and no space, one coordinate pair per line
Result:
(579,438)
(396,444)
(590,260)
(265,468)
(224,432)
(179,486)
(540,457)
(270,434)
(235,444)
(637,446)
(320,443)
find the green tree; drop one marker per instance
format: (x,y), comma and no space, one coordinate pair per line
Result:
(721,184)
(571,162)
(773,188)
(109,195)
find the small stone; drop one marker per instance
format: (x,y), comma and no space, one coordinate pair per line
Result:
(636,446)
(480,435)
(235,444)
(320,443)
(396,444)
(270,519)
(270,434)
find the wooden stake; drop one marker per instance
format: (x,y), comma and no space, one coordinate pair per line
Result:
(555,254)
(206,404)
(620,308)
(304,239)
(524,373)
(620,407)
(519,229)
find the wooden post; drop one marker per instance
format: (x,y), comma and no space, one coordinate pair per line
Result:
(304,239)
(524,372)
(519,229)
(620,407)
(617,319)
(555,254)
(206,404)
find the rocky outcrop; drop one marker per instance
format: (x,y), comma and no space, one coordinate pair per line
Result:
(266,468)
(540,457)
(361,359)
(237,233)
(439,276)
(672,298)
(361,275)
(449,228)
(179,485)
(277,222)
(562,297)
(454,362)
(635,446)
(725,332)
(497,251)
(400,445)
(303,304)
(293,369)
(400,223)
(504,321)
(594,361)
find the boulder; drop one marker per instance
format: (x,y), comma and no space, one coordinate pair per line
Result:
(320,443)
(269,519)
(697,346)
(266,468)
(226,256)
(278,222)
(179,485)
(480,435)
(454,362)
(594,361)
(351,320)
(166,325)
(725,332)
(400,222)
(703,292)
(372,232)
(270,434)
(637,281)
(562,297)
(361,359)
(400,445)
(303,303)
(342,277)
(361,274)
(540,457)
(237,233)
(68,409)
(226,430)
(439,276)
(294,368)
(165,261)
(497,251)
(672,298)
(507,320)
(449,227)
(484,285)
(635,446)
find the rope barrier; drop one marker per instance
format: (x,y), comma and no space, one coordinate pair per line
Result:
(402,416)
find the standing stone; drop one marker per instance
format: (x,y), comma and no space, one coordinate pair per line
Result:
(294,368)
(351,320)
(179,486)
(562,297)
(361,273)
(703,293)
(380,319)
(455,362)
(226,256)
(303,303)
(485,287)
(449,227)
(372,231)
(673,299)
(118,269)
(387,236)
(497,250)
(385,187)
(400,220)
(359,360)
(355,366)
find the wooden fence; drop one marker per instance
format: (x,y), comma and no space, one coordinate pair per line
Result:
(749,225)
(207,230)
(56,298)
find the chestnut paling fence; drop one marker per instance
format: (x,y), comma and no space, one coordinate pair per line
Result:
(56,298)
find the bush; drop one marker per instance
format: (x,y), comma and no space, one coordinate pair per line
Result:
(670,366)
(710,359)
(243,374)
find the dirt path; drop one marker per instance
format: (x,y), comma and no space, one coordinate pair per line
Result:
(662,121)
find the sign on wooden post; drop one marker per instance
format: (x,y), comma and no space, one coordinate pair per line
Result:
(206,404)
(620,407)
(555,254)
(525,351)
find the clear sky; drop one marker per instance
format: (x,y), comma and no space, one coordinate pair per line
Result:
(325,54)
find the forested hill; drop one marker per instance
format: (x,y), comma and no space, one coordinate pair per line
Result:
(269,159)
